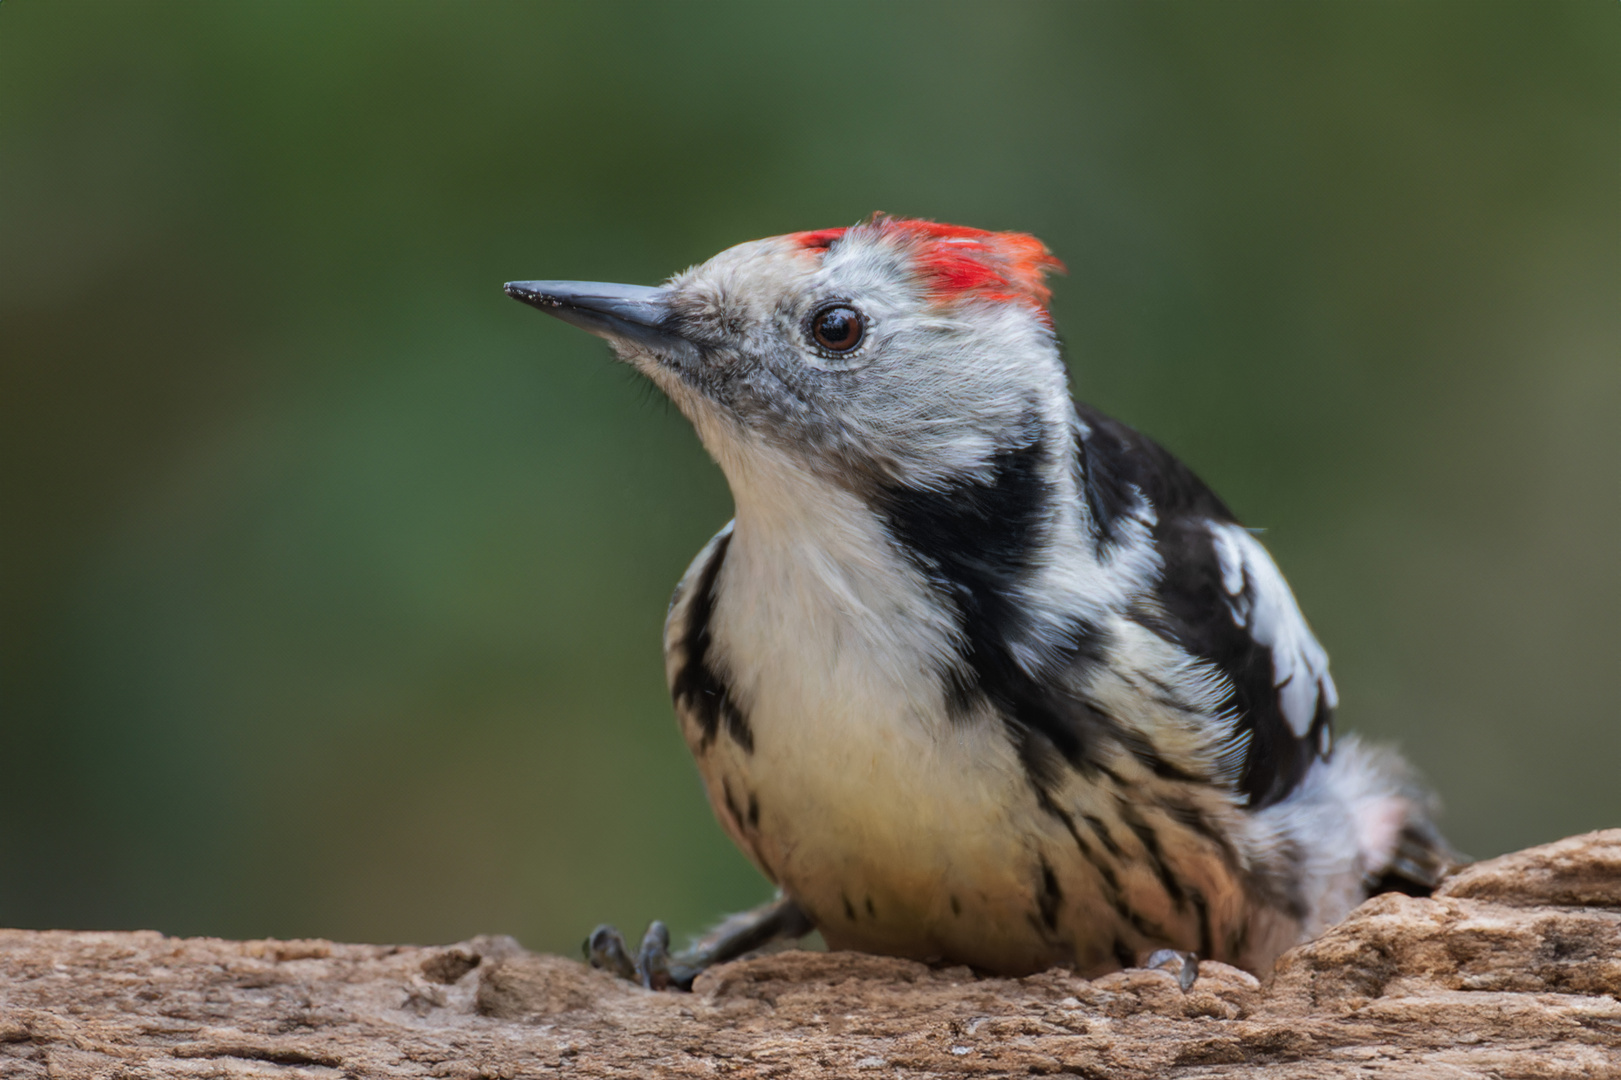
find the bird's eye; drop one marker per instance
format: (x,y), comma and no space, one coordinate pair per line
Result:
(837,328)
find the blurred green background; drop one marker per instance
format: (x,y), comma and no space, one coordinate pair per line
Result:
(332,580)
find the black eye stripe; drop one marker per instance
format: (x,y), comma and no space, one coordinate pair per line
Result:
(837,328)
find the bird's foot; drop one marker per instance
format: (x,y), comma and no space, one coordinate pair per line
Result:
(605,951)
(652,966)
(1184,965)
(656,968)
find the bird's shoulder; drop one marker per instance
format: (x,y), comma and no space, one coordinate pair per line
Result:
(693,597)
(1218,595)
(702,694)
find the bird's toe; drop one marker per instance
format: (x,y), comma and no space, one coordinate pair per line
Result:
(653,958)
(605,950)
(1184,965)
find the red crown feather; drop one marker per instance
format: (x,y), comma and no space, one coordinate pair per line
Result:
(958,262)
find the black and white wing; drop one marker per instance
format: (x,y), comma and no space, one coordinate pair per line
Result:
(1221,597)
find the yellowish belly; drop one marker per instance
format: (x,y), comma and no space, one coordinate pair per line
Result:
(934,848)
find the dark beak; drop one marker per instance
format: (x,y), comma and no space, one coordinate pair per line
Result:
(634,314)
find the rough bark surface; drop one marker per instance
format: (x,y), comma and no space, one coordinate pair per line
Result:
(1512,970)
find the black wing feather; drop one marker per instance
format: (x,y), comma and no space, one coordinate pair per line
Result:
(1120,465)
(974,540)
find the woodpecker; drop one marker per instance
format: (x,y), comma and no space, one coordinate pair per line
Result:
(977,674)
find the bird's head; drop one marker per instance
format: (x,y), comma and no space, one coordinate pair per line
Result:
(894,352)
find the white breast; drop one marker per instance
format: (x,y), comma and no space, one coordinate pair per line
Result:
(870,796)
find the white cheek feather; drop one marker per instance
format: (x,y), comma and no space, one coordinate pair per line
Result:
(1262,603)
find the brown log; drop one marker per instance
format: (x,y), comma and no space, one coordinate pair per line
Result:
(1512,970)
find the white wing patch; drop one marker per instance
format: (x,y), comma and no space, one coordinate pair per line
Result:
(1261,602)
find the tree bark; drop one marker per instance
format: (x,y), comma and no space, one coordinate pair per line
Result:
(1512,970)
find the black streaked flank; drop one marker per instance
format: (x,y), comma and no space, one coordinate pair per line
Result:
(1106,872)
(1152,931)
(1048,896)
(1194,820)
(1149,756)
(1150,841)
(1044,799)
(1101,831)
(697,687)
(1206,938)
(1110,878)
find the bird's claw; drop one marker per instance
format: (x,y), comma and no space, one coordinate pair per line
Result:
(1185,965)
(656,968)
(605,950)
(653,958)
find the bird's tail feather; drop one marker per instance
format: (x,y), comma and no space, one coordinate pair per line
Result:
(1360,823)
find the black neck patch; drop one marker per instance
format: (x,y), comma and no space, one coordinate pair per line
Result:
(976,541)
